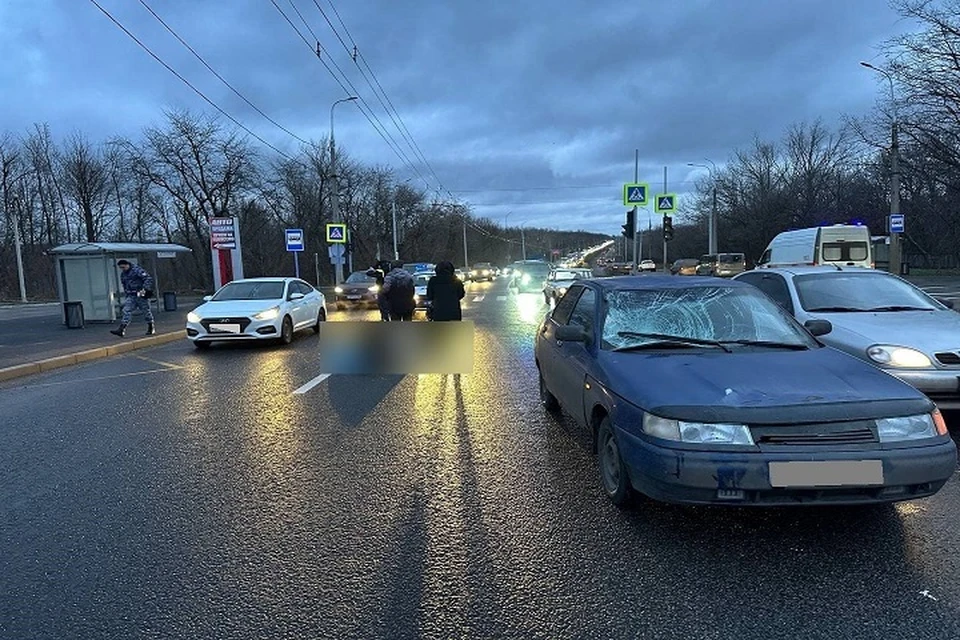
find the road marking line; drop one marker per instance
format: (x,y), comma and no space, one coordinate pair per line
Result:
(159,362)
(99,378)
(310,385)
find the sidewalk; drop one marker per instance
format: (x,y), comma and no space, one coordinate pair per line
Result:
(29,333)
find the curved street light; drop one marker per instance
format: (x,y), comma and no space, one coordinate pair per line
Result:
(338,271)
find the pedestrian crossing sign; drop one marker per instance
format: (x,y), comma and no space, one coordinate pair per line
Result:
(337,233)
(666,203)
(635,195)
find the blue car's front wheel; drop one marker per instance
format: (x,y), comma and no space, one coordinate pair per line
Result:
(613,473)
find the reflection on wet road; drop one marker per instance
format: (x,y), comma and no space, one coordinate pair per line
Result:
(196,495)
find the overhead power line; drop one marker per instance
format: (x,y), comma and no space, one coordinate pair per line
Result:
(348,88)
(185,81)
(220,77)
(391,110)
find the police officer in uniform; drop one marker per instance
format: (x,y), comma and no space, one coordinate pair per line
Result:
(137,289)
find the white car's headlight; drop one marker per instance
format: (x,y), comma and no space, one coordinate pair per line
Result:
(269,314)
(338,290)
(374,288)
(898,357)
(192,317)
(563,290)
(906,428)
(696,432)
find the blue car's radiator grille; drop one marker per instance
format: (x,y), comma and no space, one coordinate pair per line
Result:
(814,435)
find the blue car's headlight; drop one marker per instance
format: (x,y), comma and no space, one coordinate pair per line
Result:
(906,428)
(696,432)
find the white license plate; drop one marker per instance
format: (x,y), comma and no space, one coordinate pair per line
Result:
(354,297)
(834,473)
(225,328)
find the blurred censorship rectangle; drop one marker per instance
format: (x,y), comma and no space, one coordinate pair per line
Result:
(396,348)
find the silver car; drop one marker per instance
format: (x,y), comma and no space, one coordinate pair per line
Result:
(877,317)
(560,280)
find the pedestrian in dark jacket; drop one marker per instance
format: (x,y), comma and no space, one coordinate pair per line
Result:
(137,289)
(399,289)
(379,272)
(444,292)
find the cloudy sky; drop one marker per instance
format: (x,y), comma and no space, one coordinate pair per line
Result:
(531,108)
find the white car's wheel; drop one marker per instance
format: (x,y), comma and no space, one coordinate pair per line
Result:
(286,330)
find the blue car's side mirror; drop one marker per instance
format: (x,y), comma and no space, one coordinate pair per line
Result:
(818,328)
(571,333)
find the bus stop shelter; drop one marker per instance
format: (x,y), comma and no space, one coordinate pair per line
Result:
(87,273)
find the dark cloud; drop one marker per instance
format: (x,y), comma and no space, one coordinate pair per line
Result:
(499,96)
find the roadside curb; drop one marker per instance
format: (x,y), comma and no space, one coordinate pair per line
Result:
(58,362)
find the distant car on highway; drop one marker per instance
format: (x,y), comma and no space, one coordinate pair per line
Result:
(529,276)
(420,282)
(647,265)
(483,272)
(737,402)
(257,309)
(876,317)
(560,280)
(357,290)
(461,275)
(684,267)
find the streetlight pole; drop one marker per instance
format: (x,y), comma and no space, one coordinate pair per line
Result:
(336,186)
(714,221)
(896,257)
(466,260)
(396,252)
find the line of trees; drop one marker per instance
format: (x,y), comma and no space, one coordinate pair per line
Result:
(164,186)
(818,175)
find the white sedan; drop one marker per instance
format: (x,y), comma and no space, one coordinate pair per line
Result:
(257,309)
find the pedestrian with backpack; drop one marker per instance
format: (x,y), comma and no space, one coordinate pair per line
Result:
(137,289)
(399,290)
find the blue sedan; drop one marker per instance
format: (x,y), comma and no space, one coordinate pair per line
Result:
(705,391)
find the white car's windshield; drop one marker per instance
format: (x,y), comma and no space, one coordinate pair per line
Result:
(722,314)
(271,290)
(844,291)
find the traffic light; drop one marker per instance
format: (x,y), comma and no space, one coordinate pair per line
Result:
(667,228)
(628,228)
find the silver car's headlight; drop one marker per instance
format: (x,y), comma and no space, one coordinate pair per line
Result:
(696,432)
(192,317)
(898,357)
(269,314)
(563,290)
(906,428)
(338,289)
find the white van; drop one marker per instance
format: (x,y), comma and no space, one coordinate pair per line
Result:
(842,245)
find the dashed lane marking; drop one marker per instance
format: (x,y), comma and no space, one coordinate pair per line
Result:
(310,385)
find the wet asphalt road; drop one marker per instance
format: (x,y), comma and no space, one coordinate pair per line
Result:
(174,493)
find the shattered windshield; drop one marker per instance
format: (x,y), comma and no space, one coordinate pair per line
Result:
(724,314)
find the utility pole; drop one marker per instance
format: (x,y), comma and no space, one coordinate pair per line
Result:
(18,248)
(523,244)
(713,224)
(466,260)
(338,270)
(316,267)
(396,253)
(666,267)
(896,258)
(636,215)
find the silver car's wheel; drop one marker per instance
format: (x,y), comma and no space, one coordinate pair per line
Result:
(613,473)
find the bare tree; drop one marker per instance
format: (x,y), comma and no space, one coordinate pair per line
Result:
(87,183)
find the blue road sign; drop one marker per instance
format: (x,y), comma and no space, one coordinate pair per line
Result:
(635,194)
(896,223)
(337,232)
(666,203)
(294,239)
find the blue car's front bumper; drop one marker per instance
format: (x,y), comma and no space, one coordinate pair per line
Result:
(743,478)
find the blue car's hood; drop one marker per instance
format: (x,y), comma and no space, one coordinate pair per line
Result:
(757,386)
